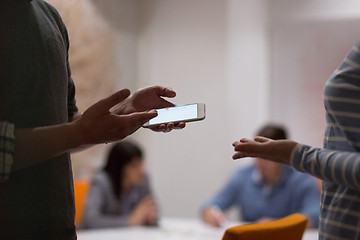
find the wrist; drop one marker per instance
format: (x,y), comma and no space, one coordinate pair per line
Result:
(288,155)
(78,134)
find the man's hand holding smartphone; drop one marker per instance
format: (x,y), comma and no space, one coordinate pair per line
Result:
(177,115)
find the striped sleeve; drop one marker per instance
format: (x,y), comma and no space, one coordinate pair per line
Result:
(340,167)
(7,147)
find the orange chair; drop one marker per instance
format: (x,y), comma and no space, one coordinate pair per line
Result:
(291,227)
(80,191)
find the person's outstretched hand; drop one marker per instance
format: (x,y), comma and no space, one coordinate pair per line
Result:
(213,216)
(261,147)
(149,98)
(98,124)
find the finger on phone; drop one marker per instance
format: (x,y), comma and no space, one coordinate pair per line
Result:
(107,103)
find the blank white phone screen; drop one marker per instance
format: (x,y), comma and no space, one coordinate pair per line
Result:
(175,114)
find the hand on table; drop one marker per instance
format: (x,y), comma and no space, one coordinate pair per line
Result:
(152,217)
(264,220)
(144,213)
(214,217)
(261,147)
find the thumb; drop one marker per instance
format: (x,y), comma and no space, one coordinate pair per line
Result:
(165,92)
(106,104)
(260,139)
(140,118)
(161,92)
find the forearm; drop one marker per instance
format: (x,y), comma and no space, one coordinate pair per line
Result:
(213,204)
(222,201)
(34,145)
(335,166)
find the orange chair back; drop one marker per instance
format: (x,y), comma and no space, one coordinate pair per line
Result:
(290,227)
(80,191)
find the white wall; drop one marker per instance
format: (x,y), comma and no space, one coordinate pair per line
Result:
(124,17)
(247,67)
(313,10)
(309,39)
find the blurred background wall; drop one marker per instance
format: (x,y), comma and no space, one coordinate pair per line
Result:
(249,61)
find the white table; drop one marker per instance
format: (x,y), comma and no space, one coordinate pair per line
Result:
(169,229)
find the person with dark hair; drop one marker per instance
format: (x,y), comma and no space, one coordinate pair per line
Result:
(265,191)
(120,193)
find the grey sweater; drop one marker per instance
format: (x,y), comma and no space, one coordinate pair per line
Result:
(104,210)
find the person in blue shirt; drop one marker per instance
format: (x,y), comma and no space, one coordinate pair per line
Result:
(265,191)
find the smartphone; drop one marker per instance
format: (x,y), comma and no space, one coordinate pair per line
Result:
(183,113)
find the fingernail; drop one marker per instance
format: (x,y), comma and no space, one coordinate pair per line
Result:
(125,92)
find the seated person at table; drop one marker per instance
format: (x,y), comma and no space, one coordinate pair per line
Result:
(120,194)
(266,190)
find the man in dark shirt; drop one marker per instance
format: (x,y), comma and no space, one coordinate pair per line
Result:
(37,98)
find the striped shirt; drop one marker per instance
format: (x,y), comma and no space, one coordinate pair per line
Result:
(338,163)
(7,146)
